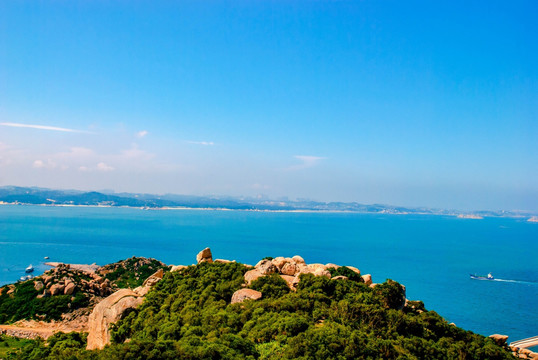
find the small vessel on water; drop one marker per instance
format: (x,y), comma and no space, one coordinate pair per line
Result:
(478,277)
(29,269)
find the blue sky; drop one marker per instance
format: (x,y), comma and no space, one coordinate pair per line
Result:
(406,103)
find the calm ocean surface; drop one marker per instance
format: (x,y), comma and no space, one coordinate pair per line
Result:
(431,255)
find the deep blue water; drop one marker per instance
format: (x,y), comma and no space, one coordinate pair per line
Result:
(431,255)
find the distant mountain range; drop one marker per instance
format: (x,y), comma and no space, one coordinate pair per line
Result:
(42,196)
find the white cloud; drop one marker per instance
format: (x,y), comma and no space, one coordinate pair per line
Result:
(142,133)
(40,164)
(205,143)
(308,161)
(43,127)
(104,167)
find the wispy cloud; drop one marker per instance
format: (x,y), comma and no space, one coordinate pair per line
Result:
(141,133)
(43,127)
(99,167)
(205,143)
(307,161)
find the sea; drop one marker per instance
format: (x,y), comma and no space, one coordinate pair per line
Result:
(431,255)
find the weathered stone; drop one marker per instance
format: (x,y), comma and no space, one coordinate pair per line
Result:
(354,269)
(290,280)
(266,267)
(322,272)
(56,289)
(153,279)
(373,285)
(177,267)
(204,256)
(245,294)
(279,262)
(499,339)
(289,269)
(223,261)
(314,267)
(298,259)
(38,285)
(106,312)
(303,269)
(47,279)
(331,266)
(339,277)
(69,288)
(367,279)
(252,275)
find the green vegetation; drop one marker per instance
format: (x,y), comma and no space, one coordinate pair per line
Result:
(347,272)
(11,344)
(188,315)
(24,304)
(132,272)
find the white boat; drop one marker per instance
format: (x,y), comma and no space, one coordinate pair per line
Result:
(29,269)
(478,277)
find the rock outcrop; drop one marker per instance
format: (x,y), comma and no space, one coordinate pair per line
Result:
(499,339)
(109,311)
(291,268)
(245,294)
(153,279)
(204,256)
(177,268)
(112,308)
(252,275)
(367,279)
(266,267)
(69,288)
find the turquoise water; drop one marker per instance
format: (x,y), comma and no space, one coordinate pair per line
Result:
(431,255)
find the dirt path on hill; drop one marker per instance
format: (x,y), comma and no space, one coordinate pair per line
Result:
(34,329)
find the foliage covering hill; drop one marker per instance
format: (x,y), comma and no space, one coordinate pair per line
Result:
(189,315)
(37,299)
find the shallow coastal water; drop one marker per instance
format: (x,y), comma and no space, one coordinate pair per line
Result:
(431,255)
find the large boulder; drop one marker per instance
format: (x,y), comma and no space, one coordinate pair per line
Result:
(223,261)
(279,262)
(367,279)
(245,294)
(69,288)
(290,269)
(266,267)
(499,339)
(177,268)
(153,279)
(57,289)
(292,281)
(298,259)
(204,256)
(331,266)
(109,311)
(252,275)
(38,285)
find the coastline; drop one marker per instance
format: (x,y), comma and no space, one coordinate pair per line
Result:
(459,215)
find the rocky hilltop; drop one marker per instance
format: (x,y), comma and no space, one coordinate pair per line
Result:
(280,308)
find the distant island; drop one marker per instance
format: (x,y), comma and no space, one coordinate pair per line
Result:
(15,195)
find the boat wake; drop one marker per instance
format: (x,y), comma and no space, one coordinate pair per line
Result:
(517,281)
